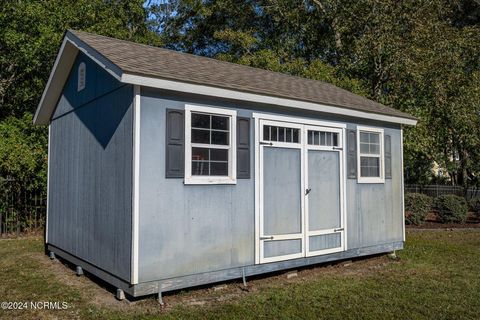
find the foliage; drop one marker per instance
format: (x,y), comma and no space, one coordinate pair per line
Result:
(417,207)
(475,206)
(451,208)
(418,56)
(30,37)
(23,151)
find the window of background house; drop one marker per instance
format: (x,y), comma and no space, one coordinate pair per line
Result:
(210,145)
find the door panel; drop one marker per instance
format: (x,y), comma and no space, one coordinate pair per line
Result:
(282,248)
(282,206)
(324,197)
(300,190)
(325,241)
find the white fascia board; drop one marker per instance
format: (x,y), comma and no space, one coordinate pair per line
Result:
(257,98)
(69,49)
(61,68)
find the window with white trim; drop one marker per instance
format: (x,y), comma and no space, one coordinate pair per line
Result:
(370,155)
(210,145)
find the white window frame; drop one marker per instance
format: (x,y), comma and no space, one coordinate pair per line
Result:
(232,147)
(361,179)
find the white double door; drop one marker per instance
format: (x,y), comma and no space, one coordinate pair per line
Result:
(300,200)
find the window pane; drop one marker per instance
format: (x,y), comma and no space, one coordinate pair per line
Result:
(220,137)
(374,149)
(375,138)
(266,133)
(364,137)
(273,134)
(218,154)
(200,154)
(220,123)
(200,120)
(364,148)
(218,168)
(370,166)
(281,134)
(200,136)
(200,168)
(289,135)
(329,138)
(296,138)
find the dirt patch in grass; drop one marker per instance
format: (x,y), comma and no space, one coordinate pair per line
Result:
(102,295)
(435,277)
(234,290)
(94,289)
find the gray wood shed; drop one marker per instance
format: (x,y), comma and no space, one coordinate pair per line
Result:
(169,170)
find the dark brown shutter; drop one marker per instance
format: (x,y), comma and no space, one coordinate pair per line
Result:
(175,142)
(243,148)
(351,154)
(388,157)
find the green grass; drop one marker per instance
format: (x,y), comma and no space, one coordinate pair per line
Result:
(436,277)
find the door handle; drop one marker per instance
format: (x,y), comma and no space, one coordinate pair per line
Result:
(337,230)
(337,148)
(308,191)
(266,143)
(266,238)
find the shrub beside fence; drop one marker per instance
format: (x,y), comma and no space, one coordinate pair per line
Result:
(435,191)
(21,210)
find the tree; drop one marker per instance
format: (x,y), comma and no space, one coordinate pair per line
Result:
(31,33)
(418,56)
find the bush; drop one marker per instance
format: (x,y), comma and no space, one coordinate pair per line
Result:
(475,206)
(451,208)
(417,207)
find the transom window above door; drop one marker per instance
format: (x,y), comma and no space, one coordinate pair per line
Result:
(322,138)
(209,145)
(281,134)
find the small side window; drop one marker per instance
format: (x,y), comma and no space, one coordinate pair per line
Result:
(82,73)
(370,155)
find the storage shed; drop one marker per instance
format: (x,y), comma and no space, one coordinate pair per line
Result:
(169,170)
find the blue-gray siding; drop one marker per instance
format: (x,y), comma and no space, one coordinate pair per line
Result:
(185,230)
(90,182)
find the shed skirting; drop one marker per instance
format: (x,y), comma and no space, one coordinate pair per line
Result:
(164,285)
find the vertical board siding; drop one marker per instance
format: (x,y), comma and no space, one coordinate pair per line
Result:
(90,198)
(374,213)
(186,230)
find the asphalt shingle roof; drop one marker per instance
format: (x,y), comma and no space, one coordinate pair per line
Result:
(139,59)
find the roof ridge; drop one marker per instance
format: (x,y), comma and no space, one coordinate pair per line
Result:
(237,65)
(232,75)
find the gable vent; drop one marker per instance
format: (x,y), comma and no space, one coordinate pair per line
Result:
(82,70)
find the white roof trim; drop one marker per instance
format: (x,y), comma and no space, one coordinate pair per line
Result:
(245,96)
(71,45)
(69,49)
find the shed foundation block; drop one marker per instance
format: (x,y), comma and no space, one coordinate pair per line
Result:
(120,294)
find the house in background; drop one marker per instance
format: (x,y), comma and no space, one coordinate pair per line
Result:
(169,170)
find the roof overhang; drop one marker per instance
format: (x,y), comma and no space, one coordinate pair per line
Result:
(66,56)
(71,45)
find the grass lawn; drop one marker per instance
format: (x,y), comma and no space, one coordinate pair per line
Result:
(437,276)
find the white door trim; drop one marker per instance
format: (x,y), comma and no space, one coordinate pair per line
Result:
(340,149)
(303,124)
(260,149)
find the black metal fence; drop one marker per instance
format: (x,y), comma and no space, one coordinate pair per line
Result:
(438,190)
(22,210)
